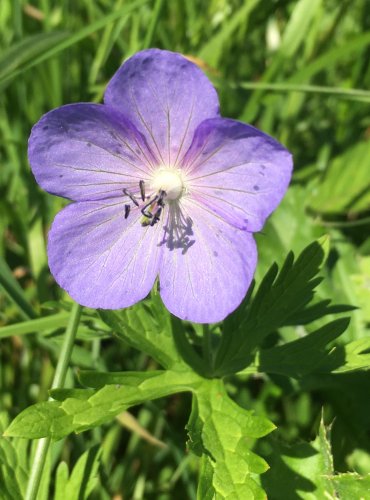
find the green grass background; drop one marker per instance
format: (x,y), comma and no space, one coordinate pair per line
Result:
(299,70)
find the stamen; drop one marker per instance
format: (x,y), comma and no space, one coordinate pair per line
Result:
(156,217)
(160,201)
(142,190)
(144,210)
(153,207)
(131,196)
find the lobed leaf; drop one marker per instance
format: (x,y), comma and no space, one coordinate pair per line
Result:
(301,471)
(280,297)
(82,479)
(77,410)
(223,433)
(351,485)
(13,465)
(146,327)
(306,471)
(306,355)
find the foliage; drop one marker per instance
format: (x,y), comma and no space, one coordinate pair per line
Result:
(298,70)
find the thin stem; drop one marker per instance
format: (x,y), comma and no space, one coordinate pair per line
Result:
(58,381)
(207,348)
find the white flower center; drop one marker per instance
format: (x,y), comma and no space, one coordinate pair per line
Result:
(169,180)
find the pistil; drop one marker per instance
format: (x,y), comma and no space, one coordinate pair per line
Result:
(167,186)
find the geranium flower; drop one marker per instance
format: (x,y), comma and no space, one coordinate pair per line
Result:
(162,186)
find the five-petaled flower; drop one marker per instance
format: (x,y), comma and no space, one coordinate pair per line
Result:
(162,186)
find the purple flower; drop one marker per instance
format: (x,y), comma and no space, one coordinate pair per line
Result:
(162,186)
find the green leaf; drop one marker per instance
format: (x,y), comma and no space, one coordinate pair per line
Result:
(301,471)
(146,327)
(350,486)
(224,433)
(77,410)
(345,187)
(14,291)
(280,297)
(306,355)
(213,49)
(306,471)
(299,23)
(27,49)
(44,53)
(361,285)
(205,488)
(13,465)
(354,45)
(9,485)
(83,478)
(41,420)
(356,355)
(61,481)
(36,325)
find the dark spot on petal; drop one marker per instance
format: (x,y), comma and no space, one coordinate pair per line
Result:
(133,74)
(215,253)
(256,188)
(137,151)
(45,127)
(88,144)
(60,176)
(146,61)
(117,151)
(183,65)
(263,167)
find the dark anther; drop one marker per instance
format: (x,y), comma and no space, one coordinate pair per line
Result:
(131,196)
(142,190)
(156,217)
(127,211)
(144,210)
(160,201)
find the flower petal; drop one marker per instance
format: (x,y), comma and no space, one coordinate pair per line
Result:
(88,152)
(166,97)
(100,258)
(237,171)
(207,280)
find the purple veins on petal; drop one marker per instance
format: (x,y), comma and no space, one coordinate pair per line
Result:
(210,279)
(80,143)
(166,97)
(224,165)
(102,258)
(162,186)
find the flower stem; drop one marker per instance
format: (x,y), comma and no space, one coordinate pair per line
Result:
(207,348)
(58,381)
